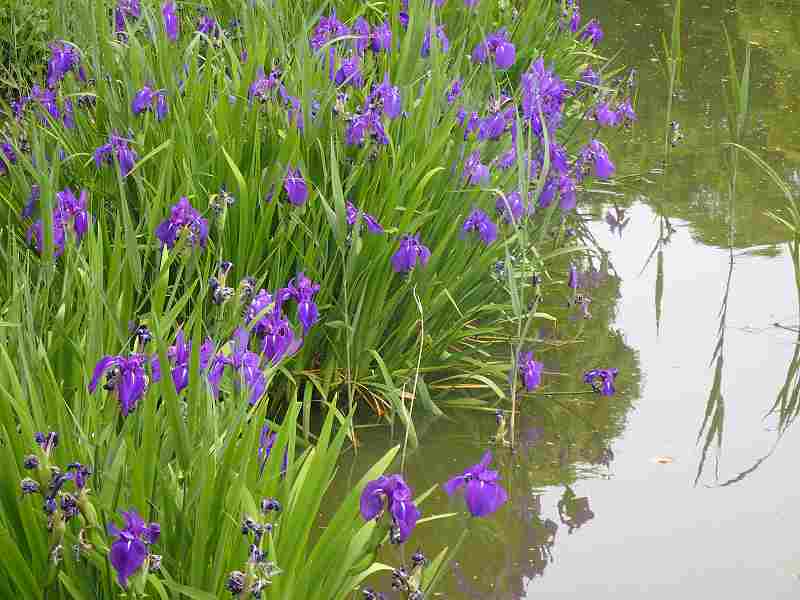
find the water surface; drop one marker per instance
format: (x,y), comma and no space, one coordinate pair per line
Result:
(640,493)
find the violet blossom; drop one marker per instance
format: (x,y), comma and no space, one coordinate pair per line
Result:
(385,98)
(482,492)
(542,91)
(327,29)
(303,290)
(184,220)
(498,47)
(70,214)
(475,172)
(171,20)
(410,254)
(247,367)
(440,35)
(295,186)
(179,356)
(145,100)
(130,548)
(116,148)
(480,223)
(126,10)
(355,215)
(510,207)
(125,377)
(64,58)
(349,73)
(592,33)
(393,496)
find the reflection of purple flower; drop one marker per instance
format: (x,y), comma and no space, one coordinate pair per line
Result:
(480,223)
(129,550)
(482,492)
(410,253)
(601,380)
(530,370)
(183,219)
(125,376)
(392,494)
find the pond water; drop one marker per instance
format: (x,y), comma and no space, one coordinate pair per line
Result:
(636,493)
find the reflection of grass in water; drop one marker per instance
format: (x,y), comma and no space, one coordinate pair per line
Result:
(737,100)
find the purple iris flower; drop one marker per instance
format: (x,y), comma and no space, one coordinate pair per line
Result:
(510,207)
(179,356)
(605,115)
(63,59)
(7,157)
(295,186)
(354,215)
(543,91)
(117,147)
(492,127)
(567,193)
(440,35)
(530,370)
(367,123)
(129,550)
(625,112)
(303,290)
(471,3)
(43,98)
(79,474)
(588,78)
(208,26)
(497,46)
(69,214)
(455,91)
(593,33)
(391,494)
(350,73)
(266,441)
(601,380)
(475,172)
(386,97)
(32,203)
(595,154)
(126,10)
(480,223)
(144,100)
(171,20)
(363,33)
(572,277)
(246,364)
(125,376)
(327,29)
(402,16)
(278,338)
(261,88)
(410,253)
(381,39)
(183,220)
(482,492)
